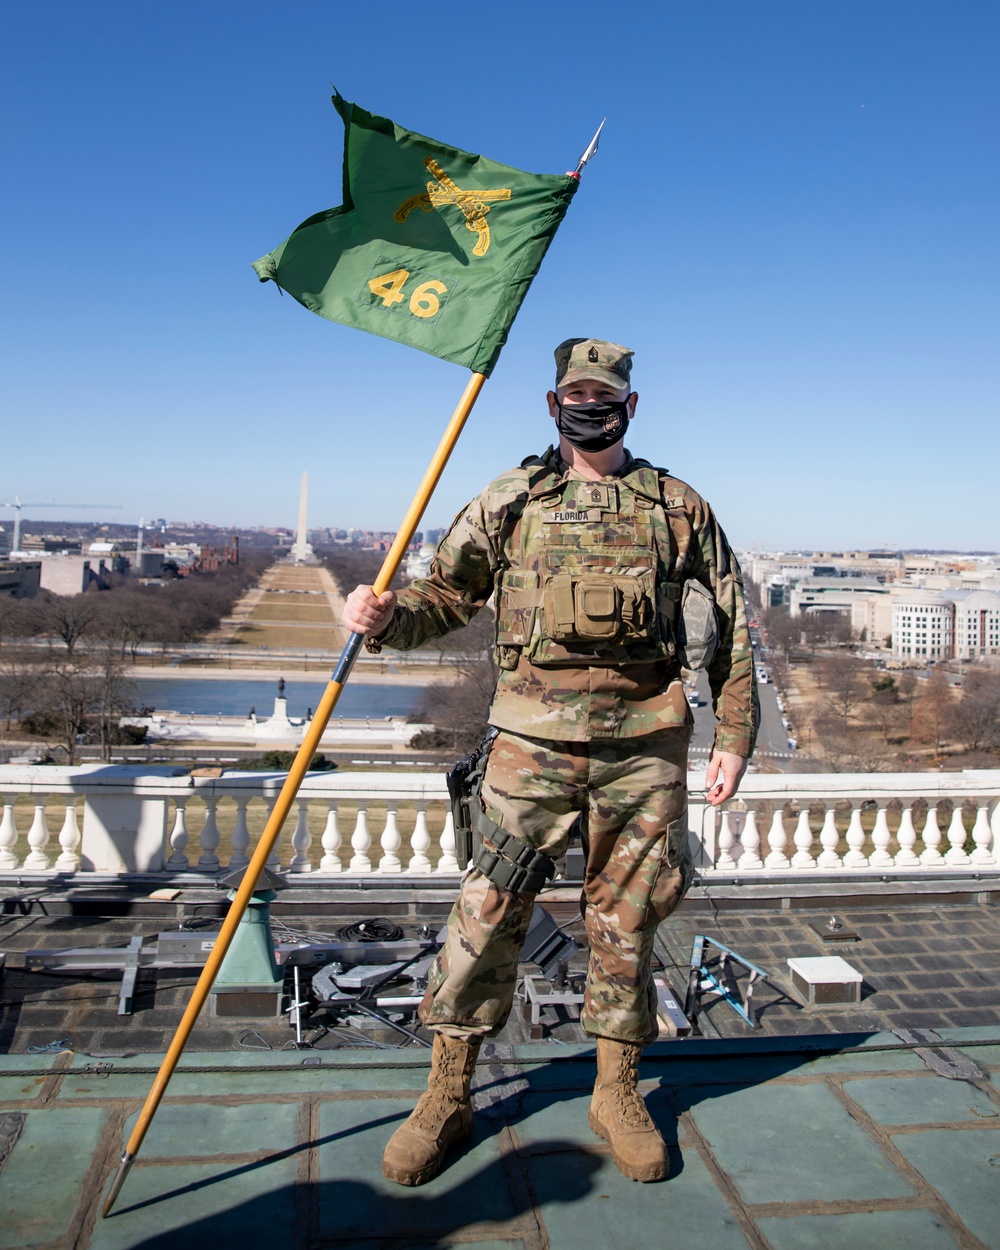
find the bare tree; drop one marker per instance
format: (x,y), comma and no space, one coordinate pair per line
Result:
(783,631)
(840,748)
(67,617)
(906,684)
(932,711)
(825,628)
(19,679)
(976,716)
(884,712)
(128,616)
(14,620)
(845,681)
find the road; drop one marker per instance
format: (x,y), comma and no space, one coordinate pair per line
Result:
(772,739)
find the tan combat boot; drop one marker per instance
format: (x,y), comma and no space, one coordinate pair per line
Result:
(619,1115)
(442,1117)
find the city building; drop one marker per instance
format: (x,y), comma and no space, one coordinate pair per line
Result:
(20,579)
(72,575)
(923,625)
(832,594)
(977,624)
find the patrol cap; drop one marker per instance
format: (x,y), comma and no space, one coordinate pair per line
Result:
(580,360)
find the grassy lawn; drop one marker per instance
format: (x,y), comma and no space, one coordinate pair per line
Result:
(292,636)
(307,613)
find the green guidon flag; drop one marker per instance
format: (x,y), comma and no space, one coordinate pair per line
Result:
(433,247)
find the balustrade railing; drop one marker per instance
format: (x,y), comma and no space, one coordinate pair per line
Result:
(117,820)
(842,823)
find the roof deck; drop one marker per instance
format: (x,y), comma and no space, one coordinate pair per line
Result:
(832,1126)
(833,1141)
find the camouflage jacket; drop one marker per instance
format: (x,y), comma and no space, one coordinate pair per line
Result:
(541,525)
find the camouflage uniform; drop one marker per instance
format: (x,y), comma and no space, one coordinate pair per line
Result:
(597,727)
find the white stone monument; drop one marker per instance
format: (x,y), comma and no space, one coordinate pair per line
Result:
(302,552)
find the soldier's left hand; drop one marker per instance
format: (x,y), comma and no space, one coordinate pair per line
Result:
(723,776)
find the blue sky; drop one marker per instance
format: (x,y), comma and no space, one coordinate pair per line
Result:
(792,220)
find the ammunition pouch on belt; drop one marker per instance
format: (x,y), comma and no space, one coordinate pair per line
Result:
(509,862)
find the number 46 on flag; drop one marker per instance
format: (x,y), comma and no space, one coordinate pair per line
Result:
(433,247)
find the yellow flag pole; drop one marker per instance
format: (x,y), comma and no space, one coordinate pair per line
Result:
(289,790)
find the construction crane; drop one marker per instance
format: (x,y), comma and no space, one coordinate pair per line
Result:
(17,505)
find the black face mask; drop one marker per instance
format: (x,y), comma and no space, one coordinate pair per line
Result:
(593,427)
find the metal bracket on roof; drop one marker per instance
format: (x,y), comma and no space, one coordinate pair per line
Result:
(702,980)
(127,991)
(944,1060)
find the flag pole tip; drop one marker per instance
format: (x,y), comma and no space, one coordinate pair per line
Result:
(589,152)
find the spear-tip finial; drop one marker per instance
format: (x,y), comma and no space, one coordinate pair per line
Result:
(589,152)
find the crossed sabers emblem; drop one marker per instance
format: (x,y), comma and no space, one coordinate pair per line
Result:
(473,204)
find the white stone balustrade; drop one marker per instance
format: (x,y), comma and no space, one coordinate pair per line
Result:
(869,824)
(129,820)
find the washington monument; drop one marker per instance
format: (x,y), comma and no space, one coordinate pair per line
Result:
(301,552)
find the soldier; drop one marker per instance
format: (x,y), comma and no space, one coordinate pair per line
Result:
(604,569)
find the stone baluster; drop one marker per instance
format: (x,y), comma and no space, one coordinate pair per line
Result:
(931,856)
(208,861)
(725,861)
(906,836)
(69,840)
(750,860)
(274,862)
(881,837)
(420,843)
(178,861)
(391,842)
(855,857)
(38,837)
(448,862)
(982,835)
(301,840)
(829,840)
(777,840)
(803,839)
(955,853)
(241,836)
(8,839)
(331,843)
(361,842)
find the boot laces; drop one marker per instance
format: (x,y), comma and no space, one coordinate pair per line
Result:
(432,1109)
(438,1102)
(629,1104)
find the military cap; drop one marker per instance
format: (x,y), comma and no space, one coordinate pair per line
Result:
(579,360)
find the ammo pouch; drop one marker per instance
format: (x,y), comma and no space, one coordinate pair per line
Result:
(695,627)
(509,862)
(578,617)
(595,607)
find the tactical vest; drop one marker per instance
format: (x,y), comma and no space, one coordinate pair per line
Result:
(591,573)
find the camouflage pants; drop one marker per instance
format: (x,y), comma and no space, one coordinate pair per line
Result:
(632,795)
